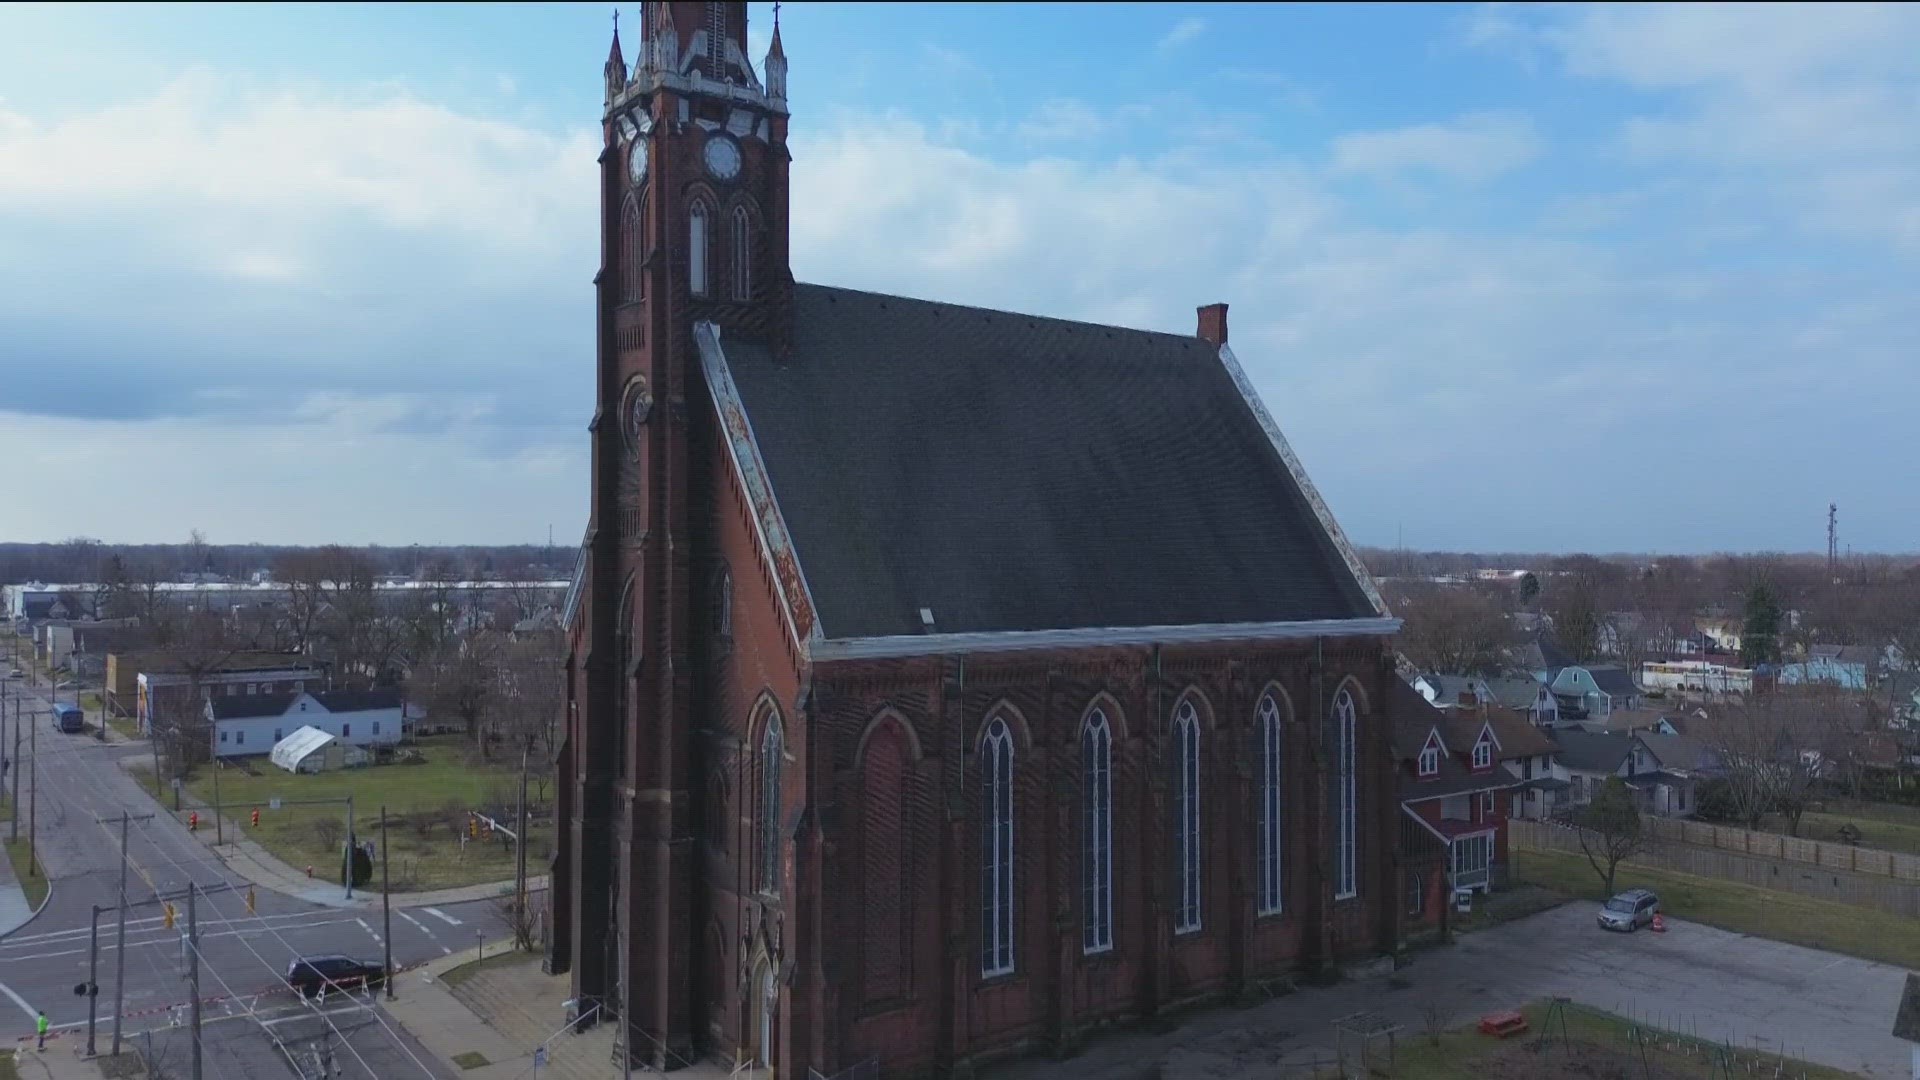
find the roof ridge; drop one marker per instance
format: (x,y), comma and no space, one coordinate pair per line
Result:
(1032,316)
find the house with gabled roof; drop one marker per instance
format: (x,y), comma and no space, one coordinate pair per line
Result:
(1461,773)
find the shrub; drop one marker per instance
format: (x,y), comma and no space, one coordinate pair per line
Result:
(329,830)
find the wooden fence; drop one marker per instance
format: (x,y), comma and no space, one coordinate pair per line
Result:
(1764,870)
(1820,853)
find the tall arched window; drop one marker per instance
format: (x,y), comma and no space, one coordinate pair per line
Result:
(767,828)
(742,254)
(1343,793)
(1096,833)
(697,249)
(623,699)
(886,874)
(1186,740)
(1272,828)
(996,849)
(632,239)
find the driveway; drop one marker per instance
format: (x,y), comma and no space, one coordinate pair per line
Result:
(1824,1007)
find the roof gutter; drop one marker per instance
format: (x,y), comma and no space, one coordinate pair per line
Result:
(877,648)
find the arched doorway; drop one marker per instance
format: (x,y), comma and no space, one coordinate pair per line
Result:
(766,1001)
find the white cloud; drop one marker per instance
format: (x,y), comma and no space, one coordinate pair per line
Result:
(1063,118)
(1477,147)
(1184,32)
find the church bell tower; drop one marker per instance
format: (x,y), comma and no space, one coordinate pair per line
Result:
(693,214)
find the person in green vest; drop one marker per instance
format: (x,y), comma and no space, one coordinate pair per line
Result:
(40,1028)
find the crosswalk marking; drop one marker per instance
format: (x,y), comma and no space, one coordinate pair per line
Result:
(442,916)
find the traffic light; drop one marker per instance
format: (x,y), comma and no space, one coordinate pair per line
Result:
(169,914)
(473,827)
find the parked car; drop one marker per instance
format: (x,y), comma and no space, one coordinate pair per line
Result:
(16,673)
(311,974)
(1629,911)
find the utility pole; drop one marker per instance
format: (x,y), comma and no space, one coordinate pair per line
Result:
(522,929)
(16,767)
(93,976)
(350,847)
(193,974)
(386,903)
(120,940)
(33,794)
(219,833)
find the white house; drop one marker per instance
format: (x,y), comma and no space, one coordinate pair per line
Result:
(251,724)
(1696,676)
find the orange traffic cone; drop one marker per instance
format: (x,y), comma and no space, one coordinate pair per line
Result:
(1659,923)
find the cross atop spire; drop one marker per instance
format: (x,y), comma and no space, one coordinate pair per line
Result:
(616,69)
(776,50)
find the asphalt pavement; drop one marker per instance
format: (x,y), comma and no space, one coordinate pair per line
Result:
(83,791)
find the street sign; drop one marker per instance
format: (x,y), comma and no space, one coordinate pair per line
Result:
(176,783)
(273,804)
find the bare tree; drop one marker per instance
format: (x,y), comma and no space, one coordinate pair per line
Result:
(1773,749)
(1610,829)
(199,643)
(1454,630)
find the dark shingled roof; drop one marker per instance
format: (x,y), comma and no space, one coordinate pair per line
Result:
(339,701)
(1615,681)
(1587,751)
(239,706)
(1013,473)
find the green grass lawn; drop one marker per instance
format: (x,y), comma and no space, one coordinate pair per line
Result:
(1782,916)
(1601,1043)
(1887,827)
(34,885)
(426,807)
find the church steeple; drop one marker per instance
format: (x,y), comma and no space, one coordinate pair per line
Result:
(776,65)
(616,70)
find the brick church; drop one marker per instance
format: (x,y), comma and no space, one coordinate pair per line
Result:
(945,683)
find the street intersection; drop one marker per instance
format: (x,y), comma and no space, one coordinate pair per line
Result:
(83,790)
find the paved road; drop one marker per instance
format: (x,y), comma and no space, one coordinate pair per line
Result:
(82,792)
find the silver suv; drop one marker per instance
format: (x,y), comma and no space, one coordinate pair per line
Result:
(1629,911)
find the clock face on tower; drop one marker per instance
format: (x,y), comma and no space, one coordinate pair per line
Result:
(722,156)
(637,162)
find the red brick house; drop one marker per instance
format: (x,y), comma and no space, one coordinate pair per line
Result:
(943,682)
(1458,771)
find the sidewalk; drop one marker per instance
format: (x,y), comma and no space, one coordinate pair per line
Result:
(59,1061)
(260,866)
(14,910)
(426,1007)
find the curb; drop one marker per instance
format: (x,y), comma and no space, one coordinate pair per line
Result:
(44,901)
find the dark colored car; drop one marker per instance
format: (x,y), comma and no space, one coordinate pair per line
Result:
(311,974)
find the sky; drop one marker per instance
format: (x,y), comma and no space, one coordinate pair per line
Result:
(1537,278)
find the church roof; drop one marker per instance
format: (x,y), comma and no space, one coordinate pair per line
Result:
(1012,473)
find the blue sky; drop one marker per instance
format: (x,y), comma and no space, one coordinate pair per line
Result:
(1639,277)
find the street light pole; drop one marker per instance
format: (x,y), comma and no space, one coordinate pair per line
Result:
(350,847)
(193,974)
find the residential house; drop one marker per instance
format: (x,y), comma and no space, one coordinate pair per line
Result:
(1724,630)
(1593,690)
(1623,721)
(1449,691)
(1585,759)
(1665,771)
(1903,697)
(1455,788)
(1850,667)
(162,690)
(1541,658)
(247,725)
(1528,695)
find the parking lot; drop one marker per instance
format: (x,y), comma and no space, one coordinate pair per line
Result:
(1831,1009)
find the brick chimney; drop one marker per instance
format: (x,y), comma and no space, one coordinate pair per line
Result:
(1213,324)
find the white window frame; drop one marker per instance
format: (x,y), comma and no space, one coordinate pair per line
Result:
(1272,888)
(742,254)
(1483,753)
(1479,842)
(1096,839)
(1430,757)
(773,749)
(697,249)
(1186,740)
(1346,784)
(996,850)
